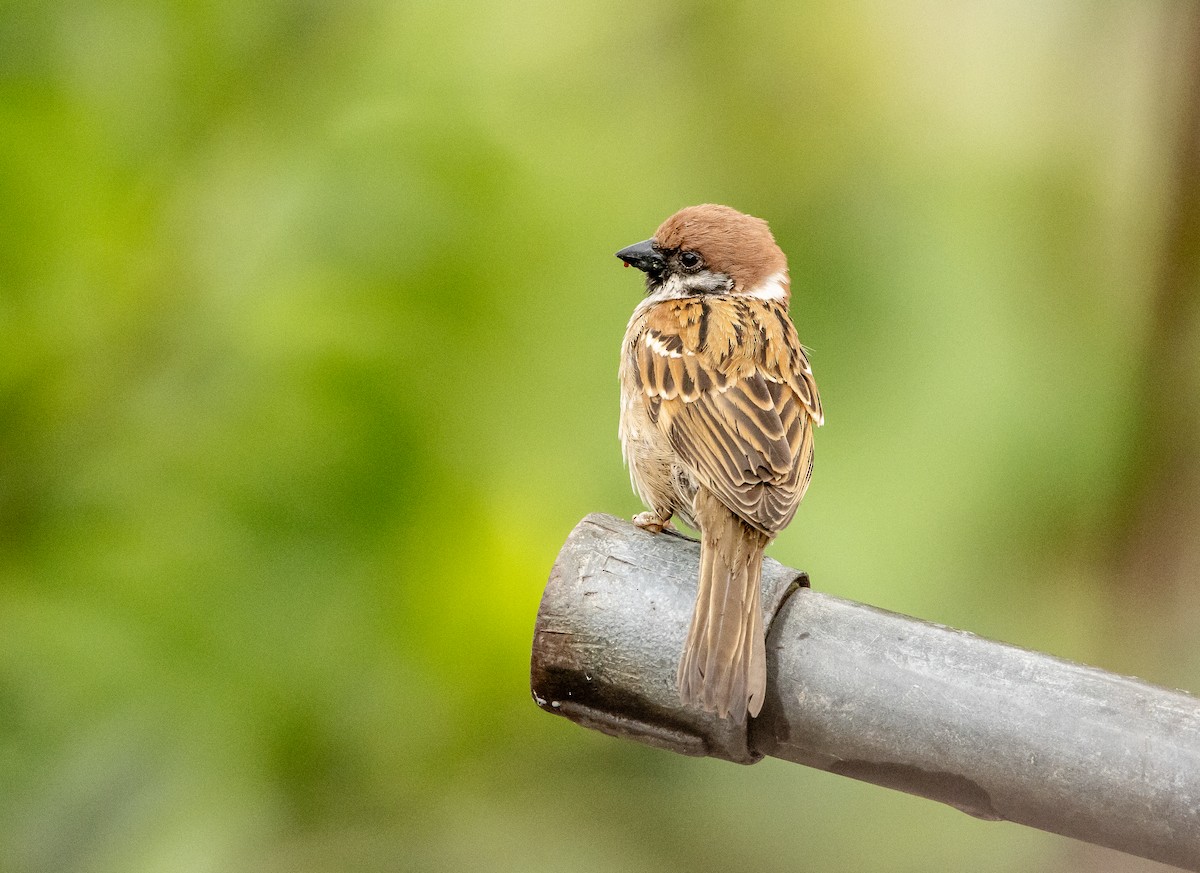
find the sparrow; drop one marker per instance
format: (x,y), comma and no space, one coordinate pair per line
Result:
(718,406)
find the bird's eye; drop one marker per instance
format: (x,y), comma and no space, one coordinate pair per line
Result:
(690,260)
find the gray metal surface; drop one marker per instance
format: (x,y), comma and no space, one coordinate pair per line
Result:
(996,731)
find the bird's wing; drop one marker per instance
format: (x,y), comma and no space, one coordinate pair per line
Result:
(728,383)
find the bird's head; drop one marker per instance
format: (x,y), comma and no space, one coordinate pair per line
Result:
(711,249)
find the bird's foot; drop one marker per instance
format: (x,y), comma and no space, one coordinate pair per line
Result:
(651,521)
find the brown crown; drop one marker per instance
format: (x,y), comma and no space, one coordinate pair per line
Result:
(731,242)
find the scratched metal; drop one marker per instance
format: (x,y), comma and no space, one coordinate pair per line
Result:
(610,631)
(996,731)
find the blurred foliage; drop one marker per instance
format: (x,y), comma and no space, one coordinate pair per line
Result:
(308,334)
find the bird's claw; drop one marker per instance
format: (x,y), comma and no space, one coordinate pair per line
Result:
(651,521)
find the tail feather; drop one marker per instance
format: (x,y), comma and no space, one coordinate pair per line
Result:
(724,663)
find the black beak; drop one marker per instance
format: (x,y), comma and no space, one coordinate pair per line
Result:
(643,256)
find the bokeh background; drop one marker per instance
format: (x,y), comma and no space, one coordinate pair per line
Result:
(308,341)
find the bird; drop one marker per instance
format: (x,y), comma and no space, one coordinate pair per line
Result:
(718,408)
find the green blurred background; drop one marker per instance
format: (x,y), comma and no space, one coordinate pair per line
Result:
(308,341)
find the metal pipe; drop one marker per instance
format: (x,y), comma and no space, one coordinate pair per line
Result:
(993,730)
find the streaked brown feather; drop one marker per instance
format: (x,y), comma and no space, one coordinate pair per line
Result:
(737,406)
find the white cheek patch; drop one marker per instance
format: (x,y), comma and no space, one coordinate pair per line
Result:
(692,285)
(672,288)
(774,287)
(706,282)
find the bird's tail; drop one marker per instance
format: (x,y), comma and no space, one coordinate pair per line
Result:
(724,664)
